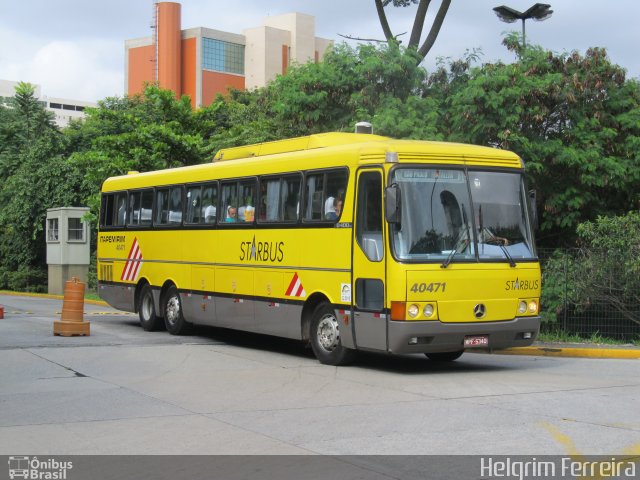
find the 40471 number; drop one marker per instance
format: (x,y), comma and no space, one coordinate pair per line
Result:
(432,287)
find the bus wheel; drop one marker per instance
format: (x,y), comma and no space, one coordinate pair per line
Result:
(173,317)
(147,310)
(444,356)
(325,337)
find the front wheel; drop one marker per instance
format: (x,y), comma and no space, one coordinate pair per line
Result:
(173,316)
(147,310)
(444,356)
(325,337)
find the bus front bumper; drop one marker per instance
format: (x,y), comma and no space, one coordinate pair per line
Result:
(436,336)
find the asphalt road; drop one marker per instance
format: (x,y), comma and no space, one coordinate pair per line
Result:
(125,391)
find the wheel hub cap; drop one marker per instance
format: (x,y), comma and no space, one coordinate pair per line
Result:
(328,332)
(173,310)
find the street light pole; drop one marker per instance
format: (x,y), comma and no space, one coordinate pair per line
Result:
(539,12)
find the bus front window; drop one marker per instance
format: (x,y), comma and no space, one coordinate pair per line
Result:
(499,206)
(449,216)
(436,215)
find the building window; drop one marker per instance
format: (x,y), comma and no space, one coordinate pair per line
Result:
(76,230)
(222,56)
(52,230)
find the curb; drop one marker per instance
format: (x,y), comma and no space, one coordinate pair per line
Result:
(577,352)
(46,295)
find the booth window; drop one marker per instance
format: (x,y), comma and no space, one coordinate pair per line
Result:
(52,230)
(76,230)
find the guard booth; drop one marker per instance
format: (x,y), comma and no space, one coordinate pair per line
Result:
(68,253)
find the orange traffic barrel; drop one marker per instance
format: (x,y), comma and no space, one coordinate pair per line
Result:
(72,319)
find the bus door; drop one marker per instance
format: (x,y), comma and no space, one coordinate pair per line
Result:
(369,263)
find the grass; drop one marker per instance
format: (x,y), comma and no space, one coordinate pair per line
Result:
(89,294)
(92,295)
(559,336)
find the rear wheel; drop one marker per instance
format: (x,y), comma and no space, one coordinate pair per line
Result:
(173,317)
(325,337)
(444,356)
(149,321)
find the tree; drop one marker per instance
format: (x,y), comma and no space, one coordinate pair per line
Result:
(418,24)
(574,119)
(373,83)
(38,177)
(600,278)
(140,133)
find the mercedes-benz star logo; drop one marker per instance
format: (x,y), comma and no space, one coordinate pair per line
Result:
(480,310)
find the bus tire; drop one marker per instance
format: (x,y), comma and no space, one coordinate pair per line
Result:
(325,337)
(149,321)
(173,316)
(444,356)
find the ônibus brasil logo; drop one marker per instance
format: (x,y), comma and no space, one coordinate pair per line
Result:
(38,469)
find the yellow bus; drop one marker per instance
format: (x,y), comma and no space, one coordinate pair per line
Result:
(346,241)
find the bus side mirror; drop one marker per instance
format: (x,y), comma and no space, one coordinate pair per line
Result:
(533,208)
(392,204)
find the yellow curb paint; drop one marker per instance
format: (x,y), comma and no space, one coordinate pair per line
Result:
(573,352)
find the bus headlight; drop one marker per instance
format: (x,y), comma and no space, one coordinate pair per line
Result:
(428,310)
(522,307)
(413,310)
(533,306)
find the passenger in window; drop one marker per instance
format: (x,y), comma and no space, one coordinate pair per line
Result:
(336,209)
(329,208)
(232,214)
(210,214)
(246,213)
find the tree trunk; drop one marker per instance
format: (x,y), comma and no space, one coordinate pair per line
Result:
(435,29)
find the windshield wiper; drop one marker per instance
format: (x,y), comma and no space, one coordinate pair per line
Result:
(458,240)
(498,242)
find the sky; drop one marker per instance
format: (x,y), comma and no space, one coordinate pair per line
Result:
(74,49)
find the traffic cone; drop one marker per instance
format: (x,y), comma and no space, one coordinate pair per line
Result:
(1,312)
(72,322)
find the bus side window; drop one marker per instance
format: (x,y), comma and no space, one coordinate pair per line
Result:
(323,190)
(161,213)
(134,208)
(209,203)
(120,214)
(229,203)
(106,212)
(146,207)
(314,190)
(194,209)
(175,206)
(269,199)
(247,201)
(336,186)
(290,200)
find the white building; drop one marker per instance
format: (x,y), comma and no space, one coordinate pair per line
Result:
(64,109)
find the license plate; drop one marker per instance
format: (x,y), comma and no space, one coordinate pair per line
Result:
(476,341)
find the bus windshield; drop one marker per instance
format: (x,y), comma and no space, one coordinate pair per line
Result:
(453,215)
